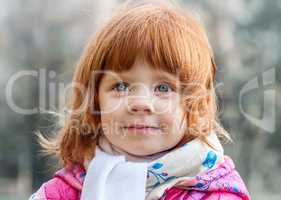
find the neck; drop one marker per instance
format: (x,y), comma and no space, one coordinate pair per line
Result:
(105,145)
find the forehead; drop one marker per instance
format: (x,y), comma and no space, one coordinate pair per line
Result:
(140,71)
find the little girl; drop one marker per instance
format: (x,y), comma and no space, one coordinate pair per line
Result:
(143,122)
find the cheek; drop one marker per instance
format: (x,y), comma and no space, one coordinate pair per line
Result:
(110,124)
(173,121)
(111,113)
(109,105)
(166,106)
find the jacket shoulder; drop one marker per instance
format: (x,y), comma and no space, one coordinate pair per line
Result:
(177,194)
(55,189)
(224,196)
(65,185)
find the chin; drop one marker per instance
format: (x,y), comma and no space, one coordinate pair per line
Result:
(143,152)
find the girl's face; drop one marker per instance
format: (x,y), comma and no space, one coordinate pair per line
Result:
(141,111)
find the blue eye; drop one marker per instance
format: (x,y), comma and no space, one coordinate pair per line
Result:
(163,87)
(121,86)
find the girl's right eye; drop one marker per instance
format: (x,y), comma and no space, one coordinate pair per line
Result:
(120,87)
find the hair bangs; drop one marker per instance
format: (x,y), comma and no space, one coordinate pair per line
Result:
(162,38)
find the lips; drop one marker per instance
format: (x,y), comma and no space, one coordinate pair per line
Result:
(141,126)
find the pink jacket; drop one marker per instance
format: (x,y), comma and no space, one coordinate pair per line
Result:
(222,183)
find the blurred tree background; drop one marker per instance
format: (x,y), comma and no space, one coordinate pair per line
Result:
(47,38)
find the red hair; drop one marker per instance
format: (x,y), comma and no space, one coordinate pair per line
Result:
(165,38)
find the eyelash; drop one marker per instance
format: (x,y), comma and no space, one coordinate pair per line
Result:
(171,87)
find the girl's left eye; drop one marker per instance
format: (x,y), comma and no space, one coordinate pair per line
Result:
(163,87)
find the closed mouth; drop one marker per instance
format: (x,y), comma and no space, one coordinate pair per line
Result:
(141,127)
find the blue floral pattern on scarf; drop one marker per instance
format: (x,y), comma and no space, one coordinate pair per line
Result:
(210,160)
(159,176)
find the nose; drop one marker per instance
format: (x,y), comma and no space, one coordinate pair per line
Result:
(141,104)
(140,107)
